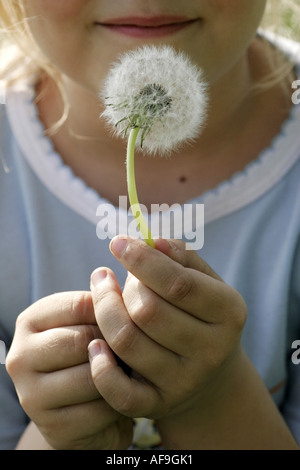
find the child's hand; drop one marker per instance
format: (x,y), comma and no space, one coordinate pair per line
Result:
(48,362)
(177,325)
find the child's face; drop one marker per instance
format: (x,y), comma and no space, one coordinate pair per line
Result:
(82,37)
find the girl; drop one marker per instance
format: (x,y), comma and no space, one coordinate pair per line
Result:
(207,377)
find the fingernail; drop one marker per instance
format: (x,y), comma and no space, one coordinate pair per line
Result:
(164,245)
(173,245)
(118,246)
(94,349)
(98,276)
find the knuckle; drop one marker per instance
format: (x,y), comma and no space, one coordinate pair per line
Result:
(124,340)
(216,356)
(77,304)
(29,405)
(231,308)
(180,287)
(13,363)
(81,303)
(135,256)
(125,404)
(24,320)
(239,310)
(30,396)
(82,336)
(144,312)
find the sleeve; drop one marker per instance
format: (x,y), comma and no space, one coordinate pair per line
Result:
(291,406)
(13,420)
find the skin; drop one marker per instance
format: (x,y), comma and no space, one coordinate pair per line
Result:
(77,404)
(55,386)
(72,24)
(220,41)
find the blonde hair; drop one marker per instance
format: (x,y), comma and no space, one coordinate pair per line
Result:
(281,17)
(25,58)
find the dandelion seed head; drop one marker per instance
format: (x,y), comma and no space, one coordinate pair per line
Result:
(160,91)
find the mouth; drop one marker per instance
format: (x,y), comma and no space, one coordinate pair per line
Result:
(140,27)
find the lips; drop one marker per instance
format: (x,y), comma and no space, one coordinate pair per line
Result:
(147,27)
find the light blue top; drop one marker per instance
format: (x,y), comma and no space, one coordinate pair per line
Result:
(49,243)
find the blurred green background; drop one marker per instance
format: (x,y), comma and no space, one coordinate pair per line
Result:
(283,17)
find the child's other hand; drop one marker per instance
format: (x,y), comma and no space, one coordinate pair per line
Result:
(48,362)
(177,325)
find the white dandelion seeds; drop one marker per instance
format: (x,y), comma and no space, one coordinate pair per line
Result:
(159,96)
(159,91)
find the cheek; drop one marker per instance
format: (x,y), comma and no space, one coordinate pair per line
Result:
(54,9)
(230,28)
(233,4)
(236,20)
(239,9)
(58,28)
(56,23)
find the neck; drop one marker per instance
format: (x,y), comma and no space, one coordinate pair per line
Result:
(232,136)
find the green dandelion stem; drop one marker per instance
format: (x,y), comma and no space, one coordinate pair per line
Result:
(131,187)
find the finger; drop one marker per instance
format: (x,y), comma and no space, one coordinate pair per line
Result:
(188,289)
(176,250)
(67,387)
(51,350)
(121,333)
(91,425)
(58,389)
(127,395)
(62,347)
(61,309)
(154,316)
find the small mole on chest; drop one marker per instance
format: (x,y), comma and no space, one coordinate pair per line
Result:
(182,179)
